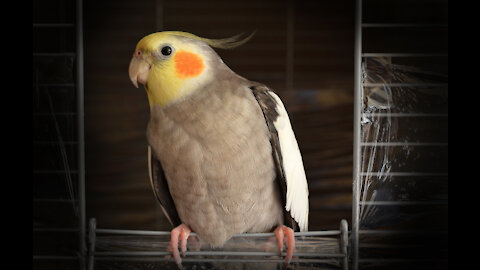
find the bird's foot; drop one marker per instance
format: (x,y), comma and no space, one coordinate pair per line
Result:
(182,232)
(280,232)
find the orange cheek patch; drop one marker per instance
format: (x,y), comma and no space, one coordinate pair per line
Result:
(188,64)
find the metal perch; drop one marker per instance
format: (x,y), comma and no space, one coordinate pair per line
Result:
(316,248)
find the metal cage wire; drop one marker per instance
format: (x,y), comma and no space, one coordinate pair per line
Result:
(331,247)
(359,152)
(79,202)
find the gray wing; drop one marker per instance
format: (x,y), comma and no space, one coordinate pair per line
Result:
(269,106)
(160,189)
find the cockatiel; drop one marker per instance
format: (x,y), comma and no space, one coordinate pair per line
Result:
(223,157)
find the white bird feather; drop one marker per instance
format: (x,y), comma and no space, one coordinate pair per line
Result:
(297,187)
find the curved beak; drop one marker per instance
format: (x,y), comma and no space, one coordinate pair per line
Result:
(138,70)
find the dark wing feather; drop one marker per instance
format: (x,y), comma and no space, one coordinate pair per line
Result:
(268,105)
(160,189)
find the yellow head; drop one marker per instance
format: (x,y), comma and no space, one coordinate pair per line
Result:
(173,64)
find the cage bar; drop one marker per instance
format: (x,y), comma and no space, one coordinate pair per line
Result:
(55,229)
(395,203)
(361,111)
(38,257)
(421,232)
(47,200)
(405,114)
(81,134)
(405,84)
(380,144)
(404,25)
(54,84)
(402,174)
(47,225)
(357,114)
(163,233)
(55,54)
(404,55)
(53,25)
(54,171)
(339,257)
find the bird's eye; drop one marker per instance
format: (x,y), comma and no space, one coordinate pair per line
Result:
(167,50)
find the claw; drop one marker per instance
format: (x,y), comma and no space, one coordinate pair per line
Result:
(280,232)
(182,231)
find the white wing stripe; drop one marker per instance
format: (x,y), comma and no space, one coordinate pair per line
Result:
(297,188)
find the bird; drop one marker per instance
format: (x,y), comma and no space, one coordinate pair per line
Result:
(222,155)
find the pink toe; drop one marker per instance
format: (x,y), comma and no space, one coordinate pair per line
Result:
(290,243)
(174,245)
(182,231)
(184,236)
(281,232)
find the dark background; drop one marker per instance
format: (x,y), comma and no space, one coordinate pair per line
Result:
(304,50)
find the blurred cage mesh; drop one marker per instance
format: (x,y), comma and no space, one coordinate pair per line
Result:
(58,179)
(400,191)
